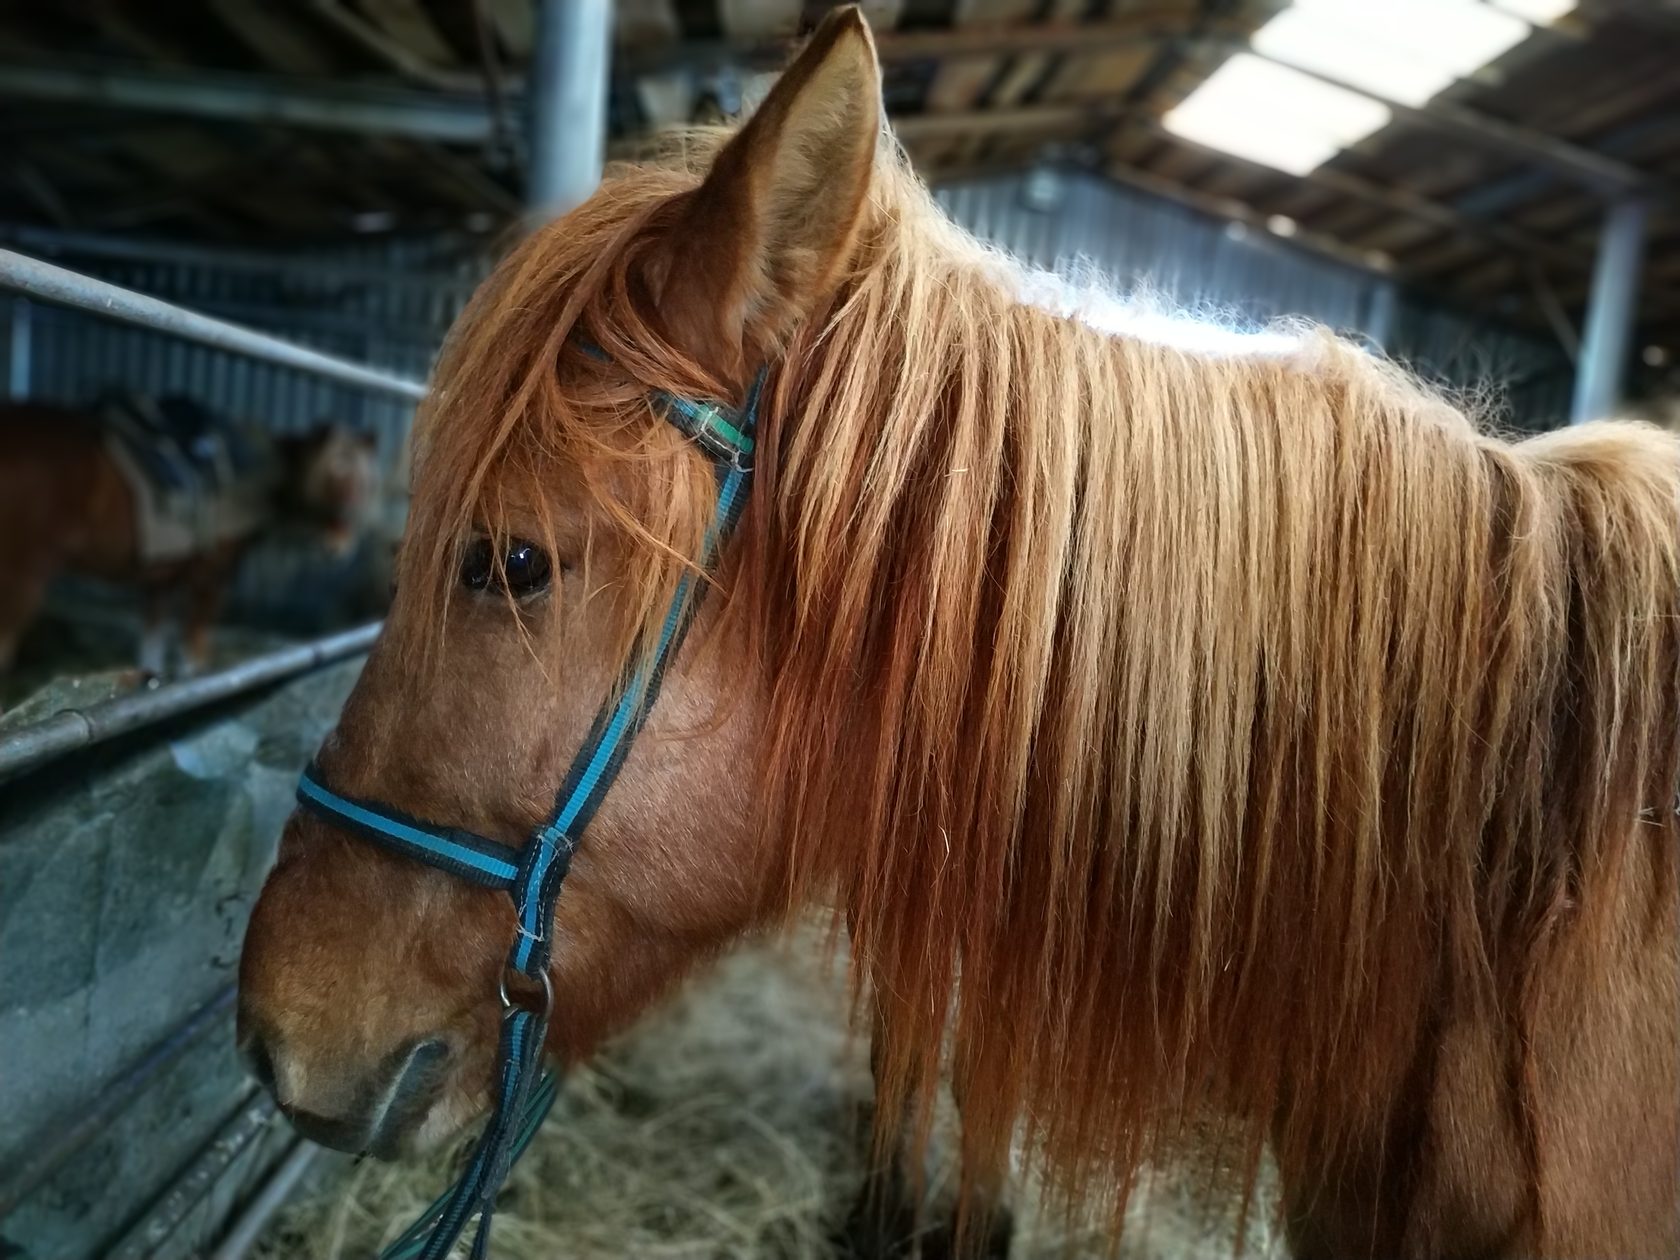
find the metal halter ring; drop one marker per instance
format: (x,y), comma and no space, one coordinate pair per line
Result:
(508,1003)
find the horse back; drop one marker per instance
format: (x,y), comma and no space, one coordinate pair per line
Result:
(62,499)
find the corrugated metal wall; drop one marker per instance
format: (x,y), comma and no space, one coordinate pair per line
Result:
(389,302)
(1524,382)
(1061,220)
(1052,219)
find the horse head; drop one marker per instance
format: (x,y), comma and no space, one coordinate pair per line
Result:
(554,513)
(329,479)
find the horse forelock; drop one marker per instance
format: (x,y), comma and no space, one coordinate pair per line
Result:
(1175,728)
(503,423)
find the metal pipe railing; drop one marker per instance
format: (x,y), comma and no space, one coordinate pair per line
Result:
(40,742)
(51,737)
(190,1198)
(49,283)
(251,1222)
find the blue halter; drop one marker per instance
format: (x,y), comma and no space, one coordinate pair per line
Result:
(533,873)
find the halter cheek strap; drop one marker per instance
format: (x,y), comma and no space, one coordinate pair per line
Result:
(533,873)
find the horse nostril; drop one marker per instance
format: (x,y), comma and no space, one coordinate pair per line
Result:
(421,1068)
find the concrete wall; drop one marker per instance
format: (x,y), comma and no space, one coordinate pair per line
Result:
(126,876)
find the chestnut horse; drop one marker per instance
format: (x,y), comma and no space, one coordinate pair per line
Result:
(1175,728)
(66,505)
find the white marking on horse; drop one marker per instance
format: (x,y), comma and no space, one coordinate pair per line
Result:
(1147,318)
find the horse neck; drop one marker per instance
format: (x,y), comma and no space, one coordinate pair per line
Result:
(1199,708)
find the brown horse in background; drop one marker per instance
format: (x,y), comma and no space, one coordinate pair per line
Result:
(67,506)
(1176,729)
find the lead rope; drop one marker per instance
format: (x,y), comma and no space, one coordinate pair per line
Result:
(533,875)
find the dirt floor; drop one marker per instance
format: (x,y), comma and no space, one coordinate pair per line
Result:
(725,1127)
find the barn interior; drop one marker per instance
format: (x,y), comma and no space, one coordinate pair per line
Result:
(275,212)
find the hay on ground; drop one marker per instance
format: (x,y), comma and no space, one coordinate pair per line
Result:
(727,1126)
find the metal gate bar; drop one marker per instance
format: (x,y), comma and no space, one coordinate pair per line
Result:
(49,283)
(29,746)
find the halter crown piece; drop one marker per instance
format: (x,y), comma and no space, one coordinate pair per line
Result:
(533,873)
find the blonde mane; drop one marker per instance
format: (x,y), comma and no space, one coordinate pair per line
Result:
(1174,729)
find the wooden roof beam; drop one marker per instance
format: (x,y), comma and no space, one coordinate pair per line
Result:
(920,129)
(1402,201)
(1015,120)
(269,101)
(1154,24)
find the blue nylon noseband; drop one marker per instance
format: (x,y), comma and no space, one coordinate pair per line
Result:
(533,873)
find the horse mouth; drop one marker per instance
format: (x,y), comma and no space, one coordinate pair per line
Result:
(350,1136)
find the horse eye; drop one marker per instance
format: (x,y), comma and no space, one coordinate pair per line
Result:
(526,566)
(478,566)
(524,569)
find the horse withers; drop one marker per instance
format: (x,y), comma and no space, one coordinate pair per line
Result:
(157,496)
(1179,722)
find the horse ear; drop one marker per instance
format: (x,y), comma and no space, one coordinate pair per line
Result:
(760,242)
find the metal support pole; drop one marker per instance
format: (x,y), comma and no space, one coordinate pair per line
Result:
(184,1199)
(1610,311)
(1380,314)
(568,104)
(20,353)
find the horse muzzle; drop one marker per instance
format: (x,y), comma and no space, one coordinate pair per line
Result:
(378,1112)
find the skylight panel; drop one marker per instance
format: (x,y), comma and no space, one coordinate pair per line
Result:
(1274,115)
(1407,51)
(1539,12)
(1229,132)
(1464,34)
(1331,44)
(1259,106)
